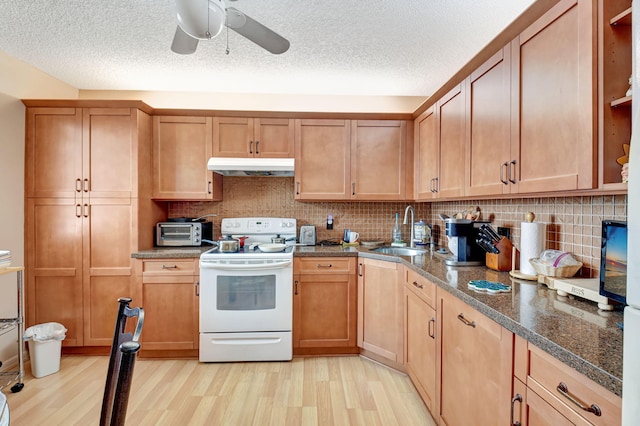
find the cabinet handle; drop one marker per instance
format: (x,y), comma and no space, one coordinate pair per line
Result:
(431,331)
(431,188)
(297,188)
(518,398)
(320,266)
(564,391)
(169,266)
(466,321)
(209,187)
(512,163)
(353,188)
(436,184)
(360,269)
(250,147)
(504,166)
(295,288)
(197,288)
(415,284)
(257,150)
(85,210)
(78,210)
(78,185)
(85,185)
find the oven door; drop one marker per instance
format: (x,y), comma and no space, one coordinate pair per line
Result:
(246,295)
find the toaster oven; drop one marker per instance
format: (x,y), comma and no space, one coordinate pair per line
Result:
(176,234)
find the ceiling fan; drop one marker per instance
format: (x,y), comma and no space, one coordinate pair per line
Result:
(205,19)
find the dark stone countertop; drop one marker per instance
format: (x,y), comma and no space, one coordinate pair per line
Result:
(571,329)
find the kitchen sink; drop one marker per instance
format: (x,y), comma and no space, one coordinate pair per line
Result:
(400,251)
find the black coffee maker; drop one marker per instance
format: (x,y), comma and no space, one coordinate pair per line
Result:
(463,234)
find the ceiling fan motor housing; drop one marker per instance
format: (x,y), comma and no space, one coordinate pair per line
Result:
(201,19)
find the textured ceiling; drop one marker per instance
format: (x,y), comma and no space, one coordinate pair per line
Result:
(338,47)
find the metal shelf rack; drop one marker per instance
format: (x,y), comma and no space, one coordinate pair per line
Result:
(10,324)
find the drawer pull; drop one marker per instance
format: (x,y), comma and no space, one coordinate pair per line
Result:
(518,398)
(324,266)
(418,285)
(564,391)
(466,321)
(432,334)
(169,266)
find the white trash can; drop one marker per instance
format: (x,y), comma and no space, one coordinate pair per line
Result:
(45,345)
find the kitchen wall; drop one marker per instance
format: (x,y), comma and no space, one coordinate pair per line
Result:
(573,223)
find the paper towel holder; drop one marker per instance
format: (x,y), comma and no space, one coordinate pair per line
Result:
(515,273)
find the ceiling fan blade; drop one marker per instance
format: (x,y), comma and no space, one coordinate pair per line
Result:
(256,32)
(183,43)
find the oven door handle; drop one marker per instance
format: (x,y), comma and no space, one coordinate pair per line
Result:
(245,267)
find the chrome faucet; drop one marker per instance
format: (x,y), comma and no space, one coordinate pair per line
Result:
(404,222)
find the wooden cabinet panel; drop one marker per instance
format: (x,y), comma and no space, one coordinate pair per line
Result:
(323,159)
(324,305)
(556,141)
(451,122)
(181,148)
(420,340)
(489,125)
(378,159)
(427,152)
(380,309)
(54,275)
(253,137)
(53,152)
(475,365)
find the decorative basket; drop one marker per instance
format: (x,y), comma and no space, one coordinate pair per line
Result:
(566,271)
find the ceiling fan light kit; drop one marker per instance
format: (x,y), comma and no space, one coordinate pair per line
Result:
(204,20)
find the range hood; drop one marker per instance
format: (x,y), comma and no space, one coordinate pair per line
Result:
(251,166)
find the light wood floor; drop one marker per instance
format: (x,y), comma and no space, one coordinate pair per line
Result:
(306,391)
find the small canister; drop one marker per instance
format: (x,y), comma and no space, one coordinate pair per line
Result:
(419,232)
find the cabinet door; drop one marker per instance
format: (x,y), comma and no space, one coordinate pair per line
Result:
(233,137)
(324,311)
(421,346)
(109,238)
(451,130)
(554,72)
(426,155)
(273,137)
(53,249)
(53,155)
(380,309)
(110,152)
(475,365)
(378,159)
(181,148)
(489,144)
(323,159)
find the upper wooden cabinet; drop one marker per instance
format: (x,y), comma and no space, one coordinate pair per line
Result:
(440,148)
(352,160)
(81,151)
(554,92)
(253,137)
(181,147)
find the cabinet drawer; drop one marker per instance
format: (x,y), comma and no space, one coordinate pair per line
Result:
(545,375)
(325,265)
(169,267)
(421,286)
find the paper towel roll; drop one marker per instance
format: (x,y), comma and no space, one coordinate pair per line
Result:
(532,237)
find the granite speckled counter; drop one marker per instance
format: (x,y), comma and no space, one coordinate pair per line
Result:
(572,330)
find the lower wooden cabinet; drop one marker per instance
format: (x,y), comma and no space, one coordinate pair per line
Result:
(167,291)
(475,367)
(420,336)
(380,309)
(324,305)
(548,392)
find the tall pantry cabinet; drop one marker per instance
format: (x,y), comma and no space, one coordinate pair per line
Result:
(85,168)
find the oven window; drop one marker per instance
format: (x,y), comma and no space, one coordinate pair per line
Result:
(251,293)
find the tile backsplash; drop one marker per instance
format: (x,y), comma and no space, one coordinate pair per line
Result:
(573,223)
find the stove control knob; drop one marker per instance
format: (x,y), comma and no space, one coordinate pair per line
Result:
(286,225)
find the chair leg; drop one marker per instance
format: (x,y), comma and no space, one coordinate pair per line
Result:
(129,353)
